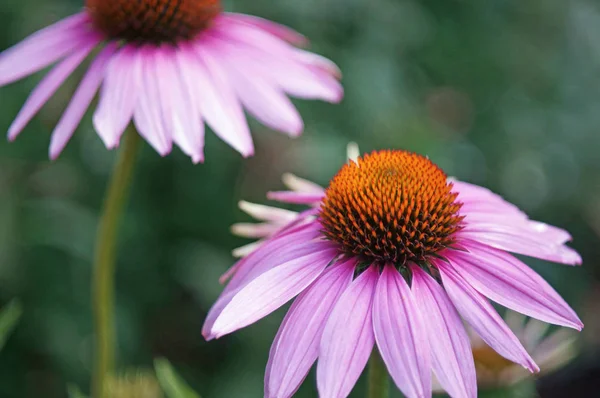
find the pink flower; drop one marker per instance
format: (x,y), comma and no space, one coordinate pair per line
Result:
(395,255)
(170,66)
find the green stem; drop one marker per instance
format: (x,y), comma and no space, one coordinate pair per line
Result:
(104,263)
(379,383)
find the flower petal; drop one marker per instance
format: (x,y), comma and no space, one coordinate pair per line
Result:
(452,358)
(521,241)
(275,252)
(263,100)
(45,47)
(118,96)
(347,338)
(278,62)
(270,291)
(296,345)
(298,198)
(482,317)
(267,213)
(46,88)
(218,104)
(80,101)
(298,184)
(148,113)
(400,334)
(511,283)
(280,31)
(179,111)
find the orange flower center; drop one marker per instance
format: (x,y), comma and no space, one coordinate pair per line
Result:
(392,206)
(153,21)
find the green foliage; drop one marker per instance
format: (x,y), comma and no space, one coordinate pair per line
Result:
(74,392)
(9,318)
(173,384)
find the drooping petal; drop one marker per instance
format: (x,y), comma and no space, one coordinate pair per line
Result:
(179,111)
(400,335)
(296,345)
(118,96)
(148,113)
(80,101)
(270,291)
(278,30)
(277,251)
(278,62)
(45,47)
(46,88)
(262,99)
(491,219)
(187,62)
(480,220)
(298,198)
(452,358)
(218,104)
(482,317)
(511,283)
(348,338)
(522,241)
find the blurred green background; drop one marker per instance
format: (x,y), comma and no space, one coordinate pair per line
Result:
(501,93)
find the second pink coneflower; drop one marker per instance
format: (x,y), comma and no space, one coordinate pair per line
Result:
(393,254)
(170,66)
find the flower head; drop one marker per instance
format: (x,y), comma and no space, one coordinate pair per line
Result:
(393,254)
(170,66)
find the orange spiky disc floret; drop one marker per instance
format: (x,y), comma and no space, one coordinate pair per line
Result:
(393,206)
(152,21)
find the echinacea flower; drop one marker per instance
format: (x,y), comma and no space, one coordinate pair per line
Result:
(393,253)
(170,66)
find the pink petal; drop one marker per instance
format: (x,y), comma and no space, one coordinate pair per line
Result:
(248,230)
(400,334)
(278,62)
(262,99)
(47,87)
(218,103)
(148,111)
(80,101)
(347,338)
(280,31)
(517,226)
(300,198)
(276,251)
(298,184)
(282,240)
(524,241)
(450,347)
(482,317)
(45,47)
(270,291)
(267,213)
(187,70)
(509,282)
(296,345)
(179,111)
(317,62)
(118,96)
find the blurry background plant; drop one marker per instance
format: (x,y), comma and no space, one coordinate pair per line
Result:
(502,93)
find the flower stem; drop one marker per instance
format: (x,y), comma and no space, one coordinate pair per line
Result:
(104,263)
(378,384)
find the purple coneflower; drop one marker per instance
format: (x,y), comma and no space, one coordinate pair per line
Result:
(171,66)
(393,253)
